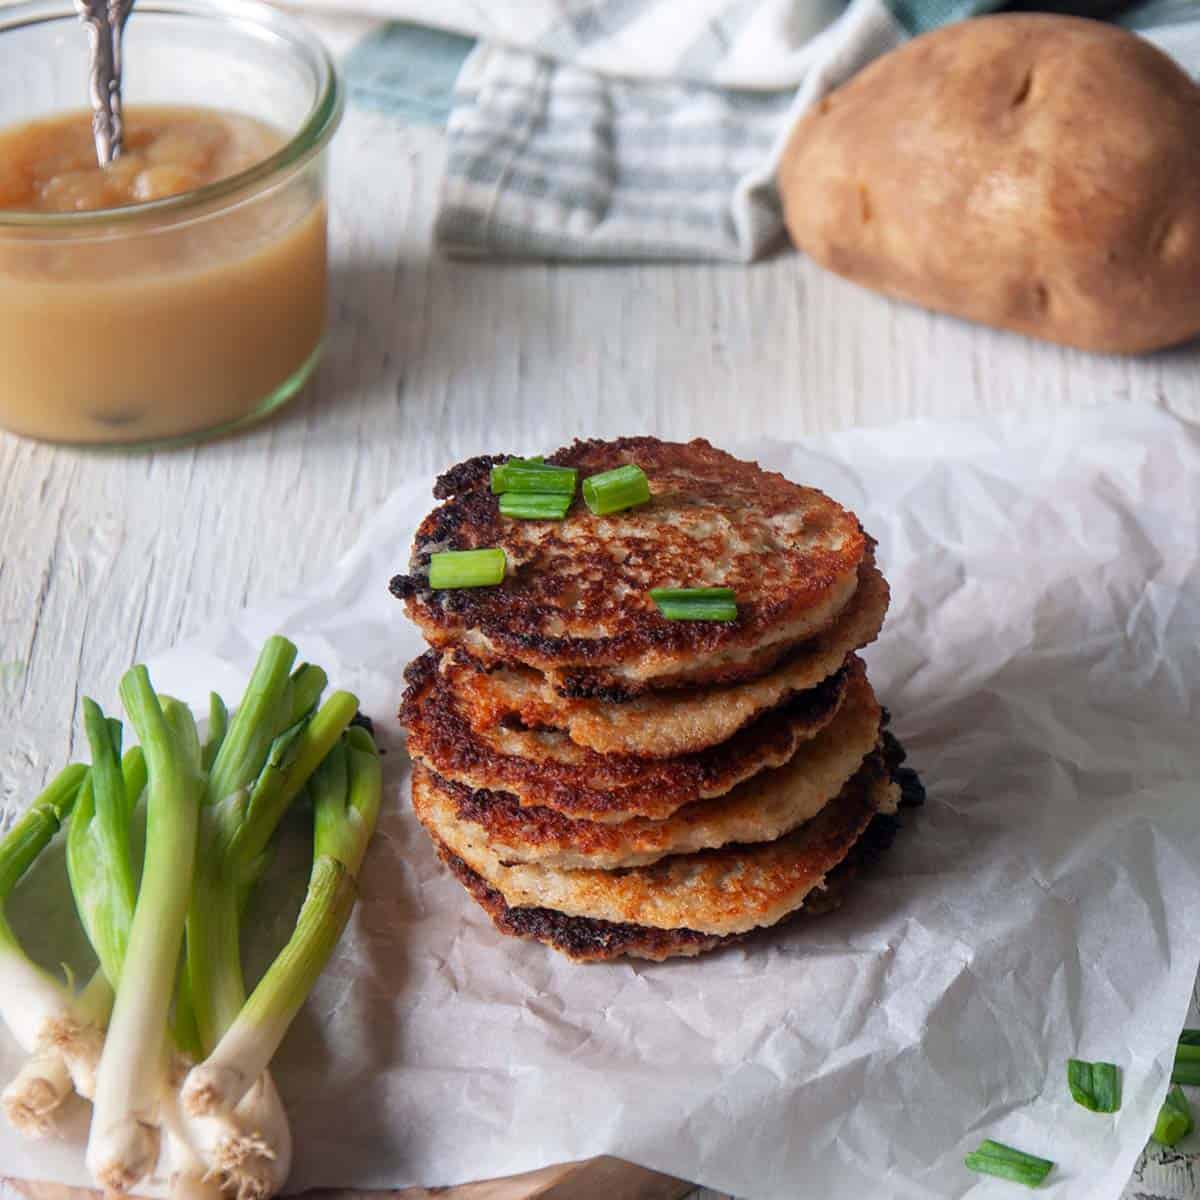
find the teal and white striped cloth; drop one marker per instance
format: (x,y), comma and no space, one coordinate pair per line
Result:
(650,129)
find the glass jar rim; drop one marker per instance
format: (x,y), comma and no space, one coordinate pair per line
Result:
(315,130)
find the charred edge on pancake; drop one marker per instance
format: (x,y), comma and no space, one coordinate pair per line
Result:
(578,685)
(449,743)
(467,475)
(481,806)
(500,813)
(418,677)
(581,938)
(586,939)
(472,506)
(445,524)
(912,790)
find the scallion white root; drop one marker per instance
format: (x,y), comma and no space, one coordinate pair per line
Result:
(211,813)
(248,1152)
(59,1029)
(32,1099)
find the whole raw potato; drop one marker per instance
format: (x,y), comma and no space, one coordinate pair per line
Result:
(1036,173)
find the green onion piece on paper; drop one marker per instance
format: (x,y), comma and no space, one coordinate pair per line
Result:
(467,568)
(1187,1071)
(1094,1085)
(1187,1059)
(528,475)
(535,506)
(695,604)
(616,490)
(1174,1118)
(994,1158)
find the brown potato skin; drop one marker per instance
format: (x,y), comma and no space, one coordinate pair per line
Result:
(1035,173)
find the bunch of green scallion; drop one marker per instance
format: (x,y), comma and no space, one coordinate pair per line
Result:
(163,1038)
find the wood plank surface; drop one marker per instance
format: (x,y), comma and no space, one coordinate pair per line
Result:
(107,558)
(597,1179)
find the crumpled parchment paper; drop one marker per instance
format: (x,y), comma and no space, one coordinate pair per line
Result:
(1041,659)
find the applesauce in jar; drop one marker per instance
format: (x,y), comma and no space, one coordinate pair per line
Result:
(143,301)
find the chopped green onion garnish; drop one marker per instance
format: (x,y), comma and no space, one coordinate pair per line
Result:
(691,594)
(704,610)
(533,475)
(467,568)
(1095,1086)
(535,506)
(1174,1119)
(616,490)
(695,604)
(994,1158)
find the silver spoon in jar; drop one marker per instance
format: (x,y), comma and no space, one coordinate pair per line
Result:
(105,23)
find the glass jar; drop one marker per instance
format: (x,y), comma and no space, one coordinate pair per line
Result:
(184,316)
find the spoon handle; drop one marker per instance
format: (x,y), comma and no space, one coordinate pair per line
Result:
(105,23)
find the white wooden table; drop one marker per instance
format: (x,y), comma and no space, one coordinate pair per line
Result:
(106,558)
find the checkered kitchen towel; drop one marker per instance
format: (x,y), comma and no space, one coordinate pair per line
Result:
(646,129)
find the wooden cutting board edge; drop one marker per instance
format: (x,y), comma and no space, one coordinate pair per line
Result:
(602,1178)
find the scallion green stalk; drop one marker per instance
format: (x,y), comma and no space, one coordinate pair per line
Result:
(283,778)
(304,693)
(133,775)
(347,793)
(250,1146)
(124,1140)
(262,715)
(274,701)
(99,855)
(616,490)
(467,568)
(218,726)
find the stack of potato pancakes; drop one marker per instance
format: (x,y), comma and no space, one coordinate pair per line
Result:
(612,782)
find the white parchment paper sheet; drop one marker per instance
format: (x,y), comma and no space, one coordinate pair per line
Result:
(1041,659)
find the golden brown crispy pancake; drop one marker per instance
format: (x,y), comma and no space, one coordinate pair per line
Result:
(663,724)
(586,940)
(575,603)
(764,807)
(731,890)
(546,769)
